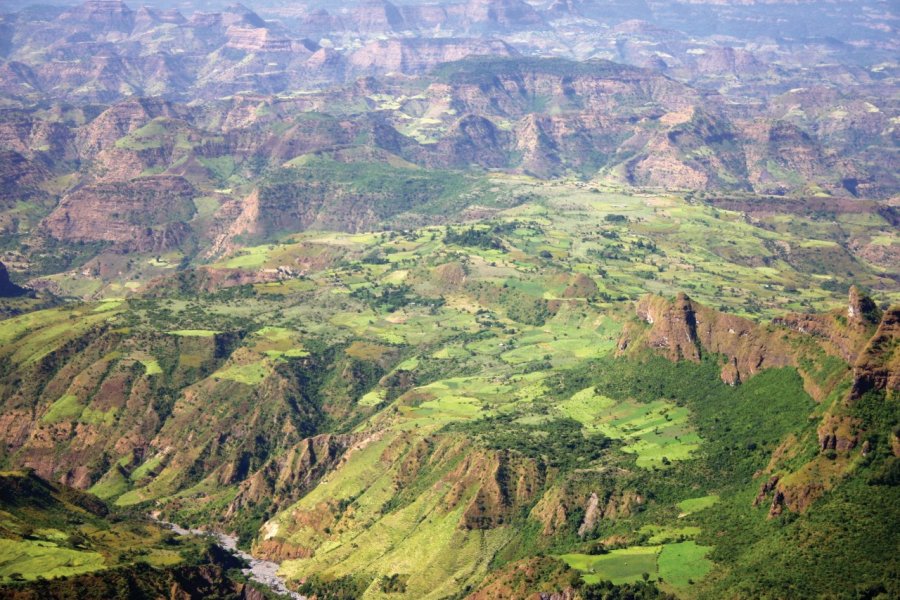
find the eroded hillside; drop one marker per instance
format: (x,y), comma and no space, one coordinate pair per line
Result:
(481,299)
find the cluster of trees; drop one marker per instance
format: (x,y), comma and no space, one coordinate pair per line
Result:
(392,297)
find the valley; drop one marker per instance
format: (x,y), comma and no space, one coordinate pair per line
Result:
(463,300)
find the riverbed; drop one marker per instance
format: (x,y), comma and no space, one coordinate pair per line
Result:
(264,572)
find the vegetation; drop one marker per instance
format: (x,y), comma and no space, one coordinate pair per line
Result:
(480,376)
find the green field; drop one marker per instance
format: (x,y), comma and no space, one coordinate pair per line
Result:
(619,566)
(693,505)
(678,564)
(33,559)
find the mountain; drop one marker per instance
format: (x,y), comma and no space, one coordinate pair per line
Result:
(174,409)
(554,299)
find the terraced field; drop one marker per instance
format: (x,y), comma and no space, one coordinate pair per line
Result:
(483,391)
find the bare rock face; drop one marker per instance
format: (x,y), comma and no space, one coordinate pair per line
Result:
(420,55)
(622,505)
(878,366)
(684,330)
(862,309)
(101,15)
(767,488)
(239,15)
(377,16)
(327,60)
(502,13)
(147,214)
(674,326)
(256,39)
(847,332)
(592,514)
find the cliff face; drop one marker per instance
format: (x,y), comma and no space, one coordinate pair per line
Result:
(377,16)
(257,39)
(148,214)
(685,330)
(101,15)
(878,365)
(501,14)
(419,55)
(516,88)
(632,124)
(845,332)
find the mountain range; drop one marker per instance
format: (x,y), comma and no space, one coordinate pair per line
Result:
(553,300)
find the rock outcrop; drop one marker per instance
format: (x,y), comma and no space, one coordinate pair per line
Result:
(685,330)
(846,331)
(257,39)
(878,366)
(148,214)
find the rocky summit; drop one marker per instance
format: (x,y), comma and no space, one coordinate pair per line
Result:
(449,299)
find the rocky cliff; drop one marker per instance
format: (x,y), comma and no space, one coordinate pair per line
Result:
(148,214)
(878,366)
(417,56)
(685,330)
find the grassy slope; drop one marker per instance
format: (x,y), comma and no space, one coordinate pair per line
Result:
(48,531)
(498,332)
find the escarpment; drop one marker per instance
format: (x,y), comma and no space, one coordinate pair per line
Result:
(845,331)
(147,214)
(685,330)
(98,395)
(878,365)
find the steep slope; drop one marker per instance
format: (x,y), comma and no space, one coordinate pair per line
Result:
(61,543)
(147,214)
